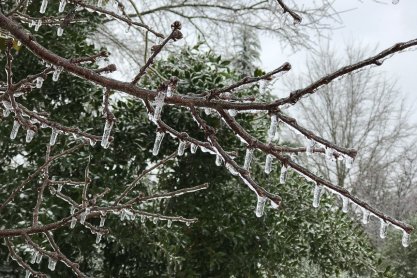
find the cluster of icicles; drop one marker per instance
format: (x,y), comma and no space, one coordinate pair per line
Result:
(7,108)
(330,154)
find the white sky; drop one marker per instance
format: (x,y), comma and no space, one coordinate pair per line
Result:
(373,24)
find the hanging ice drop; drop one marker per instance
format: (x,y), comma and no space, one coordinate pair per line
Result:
(51,264)
(27,274)
(316,195)
(181,148)
(260,205)
(59,31)
(159,103)
(272,128)
(54,134)
(43,6)
(268,164)
(383,229)
(102,220)
(39,259)
(106,134)
(15,129)
(38,25)
(34,257)
(405,239)
(345,206)
(169,224)
(29,135)
(248,158)
(158,140)
(62,6)
(283,176)
(39,82)
(193,148)
(169,91)
(365,216)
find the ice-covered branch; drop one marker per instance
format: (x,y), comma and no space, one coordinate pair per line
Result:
(297,18)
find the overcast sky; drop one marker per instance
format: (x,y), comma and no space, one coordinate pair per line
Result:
(373,24)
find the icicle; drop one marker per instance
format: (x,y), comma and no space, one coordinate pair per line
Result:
(188,224)
(142,218)
(102,220)
(51,264)
(268,164)
(59,187)
(383,229)
(43,6)
(193,148)
(169,90)
(219,160)
(15,129)
(98,238)
(231,169)
(272,128)
(259,211)
(106,134)
(159,103)
(7,108)
(405,239)
(309,146)
(27,274)
(39,259)
(274,205)
(39,82)
(56,74)
(59,31)
(233,112)
(345,206)
(181,148)
(248,159)
(29,135)
(62,6)
(365,216)
(54,134)
(34,257)
(32,23)
(283,176)
(158,140)
(155,220)
(169,224)
(72,210)
(38,25)
(84,216)
(316,195)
